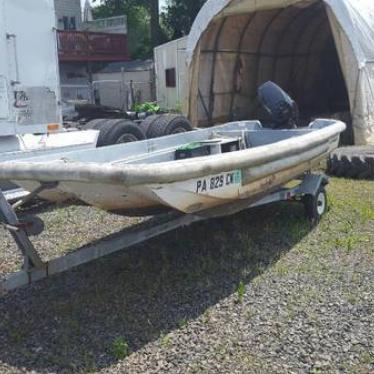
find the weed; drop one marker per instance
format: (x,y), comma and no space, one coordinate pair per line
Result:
(351,298)
(241,291)
(367,358)
(282,270)
(348,227)
(195,368)
(120,348)
(250,314)
(315,371)
(350,241)
(16,336)
(183,323)
(366,213)
(207,316)
(146,107)
(291,312)
(165,340)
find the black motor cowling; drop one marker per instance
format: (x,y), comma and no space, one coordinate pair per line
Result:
(282,109)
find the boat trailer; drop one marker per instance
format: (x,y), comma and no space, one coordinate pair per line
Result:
(310,191)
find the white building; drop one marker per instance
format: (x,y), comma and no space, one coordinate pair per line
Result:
(68,14)
(69,17)
(86,47)
(171,74)
(121,84)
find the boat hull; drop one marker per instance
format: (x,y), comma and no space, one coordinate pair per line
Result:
(188,196)
(189,186)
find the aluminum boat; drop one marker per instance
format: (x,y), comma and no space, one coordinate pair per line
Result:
(188,172)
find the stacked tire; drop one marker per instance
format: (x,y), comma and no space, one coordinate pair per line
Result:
(352,162)
(116,131)
(159,125)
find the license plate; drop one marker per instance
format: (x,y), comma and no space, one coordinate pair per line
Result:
(218,182)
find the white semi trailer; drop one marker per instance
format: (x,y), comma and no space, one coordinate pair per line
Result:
(30,106)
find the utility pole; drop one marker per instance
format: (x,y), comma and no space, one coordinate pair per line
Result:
(155,22)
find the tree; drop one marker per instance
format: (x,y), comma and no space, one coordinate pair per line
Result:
(147,28)
(180,15)
(143,21)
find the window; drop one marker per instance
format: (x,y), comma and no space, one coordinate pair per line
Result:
(73,25)
(69,23)
(65,21)
(171,79)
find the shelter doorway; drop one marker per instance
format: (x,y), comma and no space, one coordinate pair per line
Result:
(293,46)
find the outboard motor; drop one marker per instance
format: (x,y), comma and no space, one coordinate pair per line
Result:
(283,110)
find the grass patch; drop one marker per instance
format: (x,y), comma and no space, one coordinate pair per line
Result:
(240,291)
(183,323)
(367,358)
(165,340)
(120,348)
(367,213)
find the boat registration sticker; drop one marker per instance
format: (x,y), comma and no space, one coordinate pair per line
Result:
(218,182)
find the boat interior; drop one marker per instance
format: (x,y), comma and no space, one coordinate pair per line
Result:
(225,138)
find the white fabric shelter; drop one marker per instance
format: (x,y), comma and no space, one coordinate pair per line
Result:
(320,51)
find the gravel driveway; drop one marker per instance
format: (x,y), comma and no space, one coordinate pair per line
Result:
(260,292)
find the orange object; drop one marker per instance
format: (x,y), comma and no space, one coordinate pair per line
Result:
(53,127)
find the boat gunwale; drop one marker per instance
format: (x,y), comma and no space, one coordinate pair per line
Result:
(171,171)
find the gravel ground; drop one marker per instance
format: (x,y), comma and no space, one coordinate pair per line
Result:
(260,292)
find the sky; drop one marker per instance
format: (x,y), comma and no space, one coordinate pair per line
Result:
(162,3)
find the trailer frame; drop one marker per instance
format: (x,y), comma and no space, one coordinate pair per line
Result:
(35,269)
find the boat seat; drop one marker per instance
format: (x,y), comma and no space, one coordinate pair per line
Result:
(247,139)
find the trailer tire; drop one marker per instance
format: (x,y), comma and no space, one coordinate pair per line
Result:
(94,123)
(117,131)
(148,122)
(168,124)
(352,162)
(316,206)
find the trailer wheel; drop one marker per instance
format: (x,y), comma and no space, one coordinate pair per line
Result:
(316,206)
(148,122)
(94,123)
(167,124)
(117,131)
